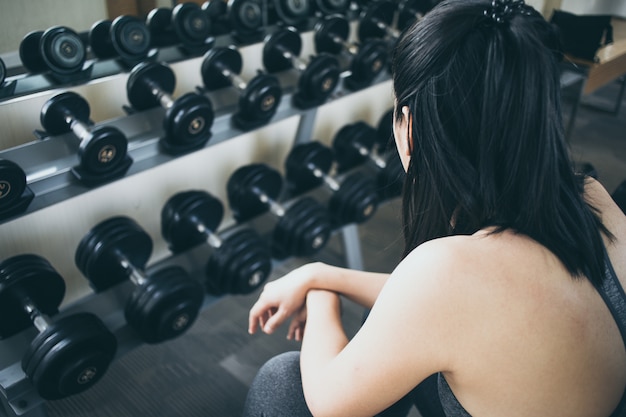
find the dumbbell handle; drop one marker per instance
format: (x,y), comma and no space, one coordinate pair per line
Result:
(275,208)
(213,239)
(350,47)
(364,151)
(238,82)
(80,129)
(40,321)
(328,180)
(296,62)
(383,26)
(164,98)
(136,276)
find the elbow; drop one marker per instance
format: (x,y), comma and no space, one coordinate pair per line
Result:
(322,406)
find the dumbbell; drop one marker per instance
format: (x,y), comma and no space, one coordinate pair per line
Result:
(367,59)
(318,77)
(188,119)
(289,12)
(102,150)
(69,355)
(353,198)
(186,23)
(377,20)
(3,72)
(239,262)
(59,50)
(246,20)
(357,143)
(126,37)
(302,225)
(619,196)
(15,195)
(410,11)
(164,304)
(217,10)
(258,98)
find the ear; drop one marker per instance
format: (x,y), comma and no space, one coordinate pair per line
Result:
(403,132)
(406,114)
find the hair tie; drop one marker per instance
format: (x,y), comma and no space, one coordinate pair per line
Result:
(501,11)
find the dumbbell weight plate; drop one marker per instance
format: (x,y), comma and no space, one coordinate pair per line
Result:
(159,23)
(62,50)
(29,52)
(214,61)
(283,39)
(329,28)
(346,153)
(138,87)
(105,150)
(369,61)
(57,108)
(12,183)
(130,37)
(189,120)
(260,99)
(181,214)
(292,12)
(246,15)
(165,306)
(241,185)
(70,356)
(332,6)
(97,253)
(356,200)
(377,11)
(320,77)
(240,265)
(303,231)
(35,278)
(191,23)
(3,72)
(384,130)
(100,39)
(300,160)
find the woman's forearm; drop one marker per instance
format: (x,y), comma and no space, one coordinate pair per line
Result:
(359,286)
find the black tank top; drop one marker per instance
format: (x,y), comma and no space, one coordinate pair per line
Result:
(613,295)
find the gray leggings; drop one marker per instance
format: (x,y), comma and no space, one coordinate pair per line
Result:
(277,392)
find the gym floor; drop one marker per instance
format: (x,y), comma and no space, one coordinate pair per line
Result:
(207,371)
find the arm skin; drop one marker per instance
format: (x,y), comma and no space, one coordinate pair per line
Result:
(286,296)
(409,334)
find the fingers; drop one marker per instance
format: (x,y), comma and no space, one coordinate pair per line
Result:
(275,319)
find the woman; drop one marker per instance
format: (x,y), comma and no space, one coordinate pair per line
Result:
(509,300)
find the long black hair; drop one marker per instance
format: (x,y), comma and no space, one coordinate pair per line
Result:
(488,145)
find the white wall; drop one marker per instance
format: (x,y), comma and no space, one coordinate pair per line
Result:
(610,7)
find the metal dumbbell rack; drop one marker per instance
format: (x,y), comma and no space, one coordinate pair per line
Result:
(48,164)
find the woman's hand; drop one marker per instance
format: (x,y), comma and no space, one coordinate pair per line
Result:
(282,299)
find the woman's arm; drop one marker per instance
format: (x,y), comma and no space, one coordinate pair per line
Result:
(285,297)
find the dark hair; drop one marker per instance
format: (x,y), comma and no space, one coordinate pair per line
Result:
(488,145)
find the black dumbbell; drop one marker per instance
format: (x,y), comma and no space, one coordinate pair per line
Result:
(15,195)
(327,7)
(289,12)
(188,119)
(3,72)
(357,143)
(353,198)
(318,77)
(69,355)
(187,23)
(59,50)
(239,261)
(164,304)
(411,11)
(217,10)
(303,226)
(619,196)
(258,98)
(126,37)
(102,150)
(246,20)
(377,21)
(367,59)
